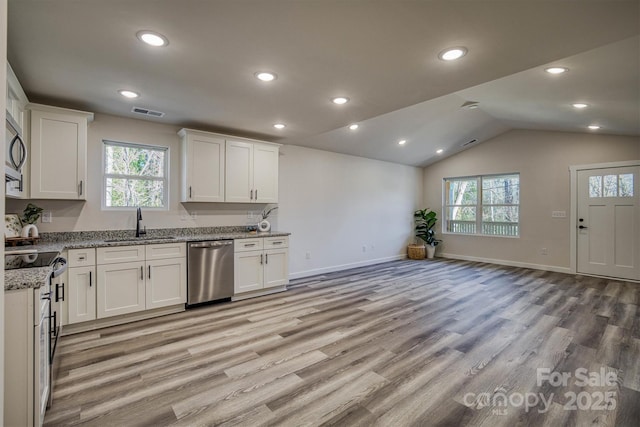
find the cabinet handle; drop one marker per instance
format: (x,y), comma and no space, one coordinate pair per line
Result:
(248,245)
(141,273)
(251,195)
(261,259)
(54,324)
(90,279)
(189,191)
(266,258)
(256,194)
(81,188)
(149,272)
(278,243)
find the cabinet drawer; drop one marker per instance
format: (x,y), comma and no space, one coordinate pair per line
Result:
(243,245)
(166,250)
(81,257)
(116,254)
(276,242)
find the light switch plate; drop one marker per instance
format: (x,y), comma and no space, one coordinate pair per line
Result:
(47,216)
(558,214)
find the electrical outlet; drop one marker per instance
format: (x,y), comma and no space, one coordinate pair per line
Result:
(308,255)
(184,216)
(47,216)
(544,251)
(194,215)
(249,214)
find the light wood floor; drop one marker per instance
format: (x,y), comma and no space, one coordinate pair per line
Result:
(397,344)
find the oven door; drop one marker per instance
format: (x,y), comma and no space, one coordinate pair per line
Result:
(42,352)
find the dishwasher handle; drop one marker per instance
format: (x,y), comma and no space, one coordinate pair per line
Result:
(213,244)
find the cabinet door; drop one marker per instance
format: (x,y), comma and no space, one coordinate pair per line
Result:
(204,167)
(265,173)
(276,267)
(58,155)
(239,172)
(248,271)
(81,305)
(120,289)
(166,282)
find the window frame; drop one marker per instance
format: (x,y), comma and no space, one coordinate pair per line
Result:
(479,205)
(105,175)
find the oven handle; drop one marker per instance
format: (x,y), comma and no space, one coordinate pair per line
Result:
(60,265)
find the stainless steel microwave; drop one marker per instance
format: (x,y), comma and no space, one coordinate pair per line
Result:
(15,158)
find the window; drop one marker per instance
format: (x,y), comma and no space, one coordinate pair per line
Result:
(486,205)
(134,175)
(611,185)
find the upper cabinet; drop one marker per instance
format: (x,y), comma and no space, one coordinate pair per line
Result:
(202,167)
(219,168)
(58,153)
(16,101)
(252,172)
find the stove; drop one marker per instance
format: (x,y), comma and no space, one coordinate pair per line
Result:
(29,260)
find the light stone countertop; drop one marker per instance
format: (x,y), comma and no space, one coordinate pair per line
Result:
(57,242)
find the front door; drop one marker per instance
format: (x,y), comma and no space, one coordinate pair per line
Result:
(609,222)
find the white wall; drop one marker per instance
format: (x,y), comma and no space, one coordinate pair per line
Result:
(543,159)
(334,205)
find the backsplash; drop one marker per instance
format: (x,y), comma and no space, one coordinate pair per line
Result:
(70,236)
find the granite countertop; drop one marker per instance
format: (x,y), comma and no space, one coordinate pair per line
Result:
(58,242)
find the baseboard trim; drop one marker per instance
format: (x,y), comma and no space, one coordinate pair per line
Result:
(334,268)
(553,268)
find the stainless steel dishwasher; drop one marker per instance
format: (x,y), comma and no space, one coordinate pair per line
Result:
(209,271)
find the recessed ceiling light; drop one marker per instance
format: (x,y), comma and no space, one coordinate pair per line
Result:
(556,70)
(580,105)
(279,126)
(402,142)
(265,76)
(452,53)
(440,151)
(594,127)
(340,100)
(354,126)
(128,93)
(152,38)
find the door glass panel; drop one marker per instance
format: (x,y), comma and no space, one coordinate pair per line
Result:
(610,186)
(595,186)
(625,182)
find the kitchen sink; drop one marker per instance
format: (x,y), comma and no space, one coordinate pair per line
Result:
(138,239)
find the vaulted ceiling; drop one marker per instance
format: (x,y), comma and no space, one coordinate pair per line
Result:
(382,55)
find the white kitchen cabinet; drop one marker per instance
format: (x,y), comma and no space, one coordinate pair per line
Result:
(251,172)
(58,153)
(260,263)
(166,281)
(141,277)
(81,280)
(121,289)
(203,167)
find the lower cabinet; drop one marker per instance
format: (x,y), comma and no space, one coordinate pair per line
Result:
(113,281)
(121,289)
(260,263)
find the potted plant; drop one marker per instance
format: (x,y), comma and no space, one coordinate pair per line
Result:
(30,215)
(426,220)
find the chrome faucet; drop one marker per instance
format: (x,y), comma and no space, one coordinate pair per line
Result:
(139,233)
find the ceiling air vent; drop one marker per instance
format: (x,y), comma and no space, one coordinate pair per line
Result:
(147,112)
(470,142)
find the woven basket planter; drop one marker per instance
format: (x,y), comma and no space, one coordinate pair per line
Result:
(416,251)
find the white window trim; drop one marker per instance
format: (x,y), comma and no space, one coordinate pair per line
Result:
(103,192)
(479,205)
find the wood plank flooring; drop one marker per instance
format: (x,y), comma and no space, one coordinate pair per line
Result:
(403,343)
